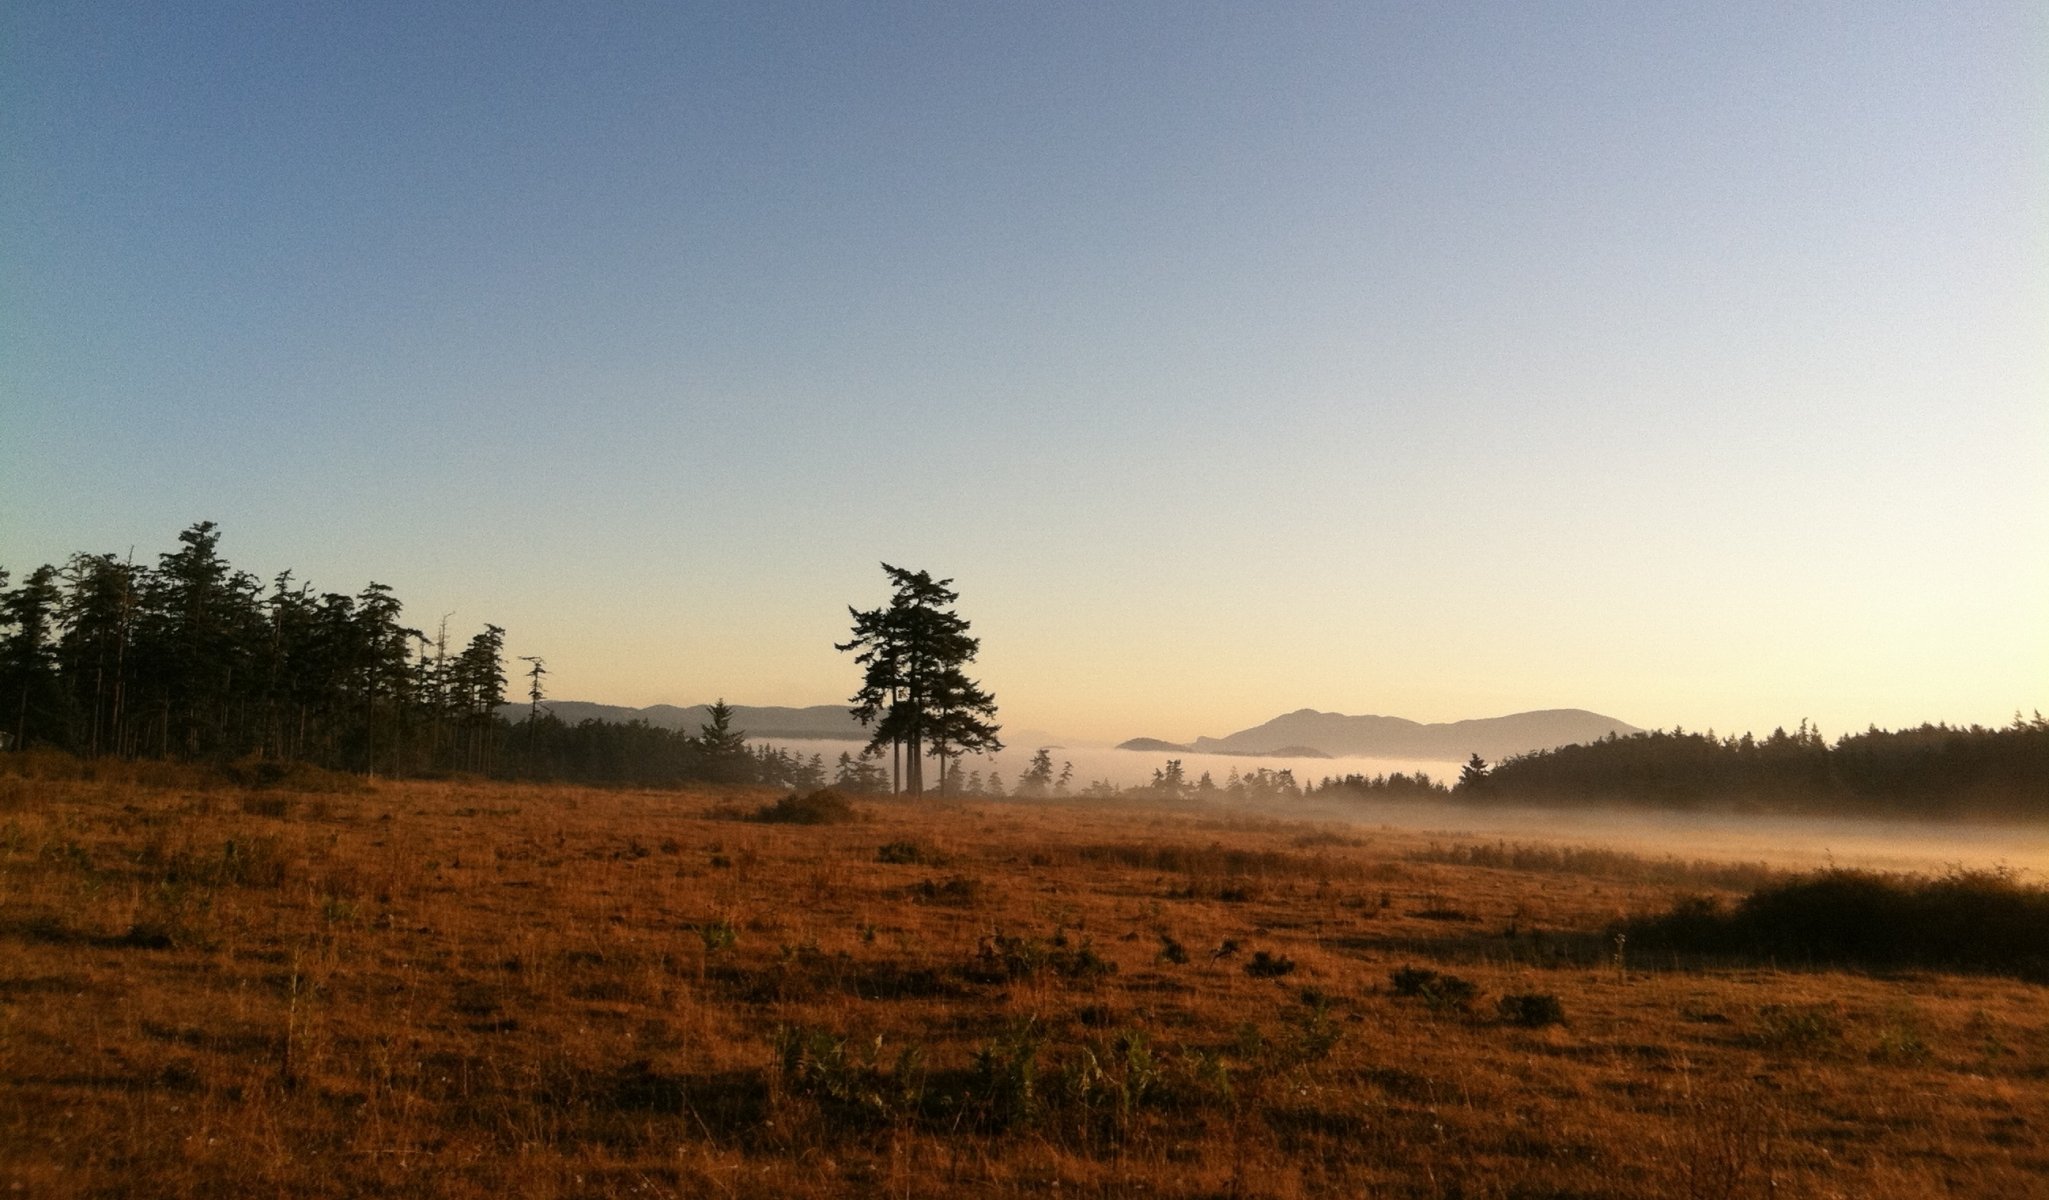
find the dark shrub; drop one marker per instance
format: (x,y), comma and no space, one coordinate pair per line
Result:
(1440,992)
(907,851)
(1533,1010)
(1269,966)
(1971,920)
(822,807)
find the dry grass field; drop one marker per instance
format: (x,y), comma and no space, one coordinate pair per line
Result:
(475,989)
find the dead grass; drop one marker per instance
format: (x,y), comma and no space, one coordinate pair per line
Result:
(464,989)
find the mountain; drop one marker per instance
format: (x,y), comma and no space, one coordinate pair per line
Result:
(1394,737)
(1156,746)
(831,721)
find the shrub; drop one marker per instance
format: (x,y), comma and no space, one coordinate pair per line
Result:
(1439,992)
(1971,920)
(1269,966)
(1533,1010)
(908,851)
(822,807)
(1002,957)
(957,889)
(845,1077)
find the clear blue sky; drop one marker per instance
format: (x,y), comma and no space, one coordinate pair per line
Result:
(1685,362)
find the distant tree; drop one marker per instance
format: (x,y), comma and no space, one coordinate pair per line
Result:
(1060,785)
(1037,778)
(914,691)
(536,668)
(1170,780)
(1473,776)
(726,758)
(859,775)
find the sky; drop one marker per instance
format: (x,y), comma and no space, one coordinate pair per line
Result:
(1686,363)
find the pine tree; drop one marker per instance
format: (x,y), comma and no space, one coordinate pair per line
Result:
(914,690)
(726,758)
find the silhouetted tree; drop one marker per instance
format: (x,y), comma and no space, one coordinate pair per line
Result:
(28,657)
(914,689)
(726,758)
(1037,778)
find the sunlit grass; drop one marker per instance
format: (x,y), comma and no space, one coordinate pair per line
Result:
(466,989)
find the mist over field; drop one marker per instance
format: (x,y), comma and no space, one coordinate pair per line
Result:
(1134,768)
(1780,840)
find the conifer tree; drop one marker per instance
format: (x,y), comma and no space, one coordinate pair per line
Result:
(915,691)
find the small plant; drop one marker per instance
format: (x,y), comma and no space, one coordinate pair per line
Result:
(717,935)
(1003,957)
(907,851)
(1264,965)
(1172,951)
(957,889)
(1799,1029)
(1441,993)
(845,1078)
(1312,1034)
(1532,1010)
(1899,1040)
(1004,1079)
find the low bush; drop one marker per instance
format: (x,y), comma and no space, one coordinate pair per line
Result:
(1001,956)
(822,807)
(958,889)
(1986,921)
(1441,992)
(908,851)
(1532,1010)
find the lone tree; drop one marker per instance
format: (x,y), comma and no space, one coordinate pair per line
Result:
(915,691)
(726,758)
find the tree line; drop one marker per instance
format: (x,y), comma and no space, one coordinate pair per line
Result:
(190,658)
(1935,770)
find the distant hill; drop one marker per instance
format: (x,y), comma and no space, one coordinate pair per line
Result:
(831,721)
(1335,734)
(1156,746)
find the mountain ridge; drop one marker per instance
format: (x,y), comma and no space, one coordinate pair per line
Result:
(1373,736)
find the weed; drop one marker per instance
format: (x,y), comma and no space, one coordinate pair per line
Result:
(956,889)
(1265,965)
(908,851)
(1440,993)
(1002,957)
(1899,1039)
(1799,1029)
(845,1078)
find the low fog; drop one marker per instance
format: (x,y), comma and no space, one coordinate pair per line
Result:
(1781,841)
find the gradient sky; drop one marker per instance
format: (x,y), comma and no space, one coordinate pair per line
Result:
(1689,363)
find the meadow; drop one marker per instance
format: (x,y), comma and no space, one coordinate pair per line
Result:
(313,985)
